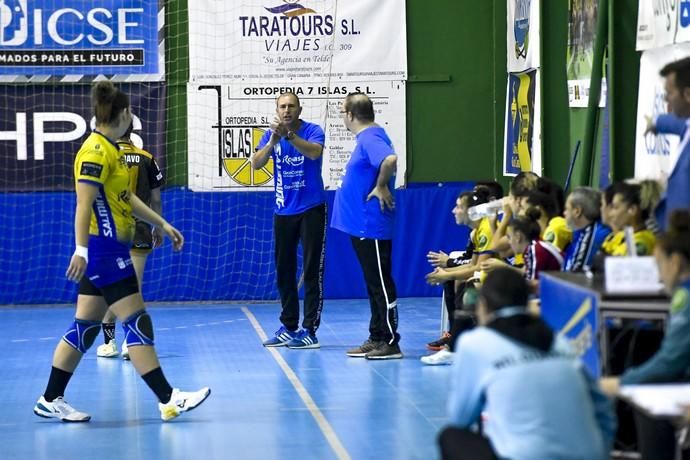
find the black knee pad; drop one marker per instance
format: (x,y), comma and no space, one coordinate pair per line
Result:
(81,334)
(138,329)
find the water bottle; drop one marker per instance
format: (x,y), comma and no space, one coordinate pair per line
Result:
(485,210)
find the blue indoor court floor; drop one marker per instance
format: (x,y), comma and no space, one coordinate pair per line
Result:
(265,403)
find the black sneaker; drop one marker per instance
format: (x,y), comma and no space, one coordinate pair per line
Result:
(439,344)
(362,350)
(385,351)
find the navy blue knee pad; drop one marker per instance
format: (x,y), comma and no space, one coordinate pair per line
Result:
(81,334)
(138,329)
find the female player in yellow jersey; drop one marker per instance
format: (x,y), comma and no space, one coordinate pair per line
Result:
(626,210)
(101,264)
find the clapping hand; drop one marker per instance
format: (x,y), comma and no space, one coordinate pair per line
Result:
(437,259)
(436,277)
(278,130)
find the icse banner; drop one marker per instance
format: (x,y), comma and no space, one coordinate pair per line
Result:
(655,156)
(42,128)
(226,122)
(77,38)
(522,140)
(523,35)
(297,40)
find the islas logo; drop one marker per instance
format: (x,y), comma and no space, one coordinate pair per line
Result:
(238,137)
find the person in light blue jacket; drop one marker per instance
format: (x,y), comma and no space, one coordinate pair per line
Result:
(671,363)
(517,381)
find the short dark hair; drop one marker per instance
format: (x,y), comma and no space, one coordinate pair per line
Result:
(504,287)
(682,70)
(290,93)
(360,106)
(495,189)
(523,183)
(545,201)
(475,197)
(630,195)
(610,191)
(528,224)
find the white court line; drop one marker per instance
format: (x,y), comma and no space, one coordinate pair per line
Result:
(326,428)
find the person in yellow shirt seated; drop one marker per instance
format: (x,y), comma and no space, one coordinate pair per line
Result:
(626,211)
(554,228)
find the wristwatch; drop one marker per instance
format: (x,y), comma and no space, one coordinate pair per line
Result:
(290,135)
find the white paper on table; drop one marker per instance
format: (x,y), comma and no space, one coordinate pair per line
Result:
(664,400)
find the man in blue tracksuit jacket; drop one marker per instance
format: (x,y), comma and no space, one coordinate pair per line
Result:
(677,87)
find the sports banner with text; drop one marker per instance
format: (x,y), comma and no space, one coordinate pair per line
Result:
(522,139)
(523,35)
(226,122)
(297,40)
(77,38)
(657,21)
(655,156)
(44,127)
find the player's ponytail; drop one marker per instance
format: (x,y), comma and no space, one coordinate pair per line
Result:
(108,102)
(528,224)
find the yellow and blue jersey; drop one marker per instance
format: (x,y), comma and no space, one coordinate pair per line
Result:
(99,162)
(557,233)
(644,244)
(482,236)
(612,242)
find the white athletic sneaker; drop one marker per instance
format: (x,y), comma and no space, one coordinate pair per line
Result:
(125,351)
(59,408)
(440,358)
(182,401)
(107,350)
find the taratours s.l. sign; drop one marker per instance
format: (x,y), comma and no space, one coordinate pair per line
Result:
(297,40)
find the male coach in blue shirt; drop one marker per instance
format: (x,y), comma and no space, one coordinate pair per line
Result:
(300,215)
(363,208)
(677,86)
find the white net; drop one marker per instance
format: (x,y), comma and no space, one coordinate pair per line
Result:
(202,79)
